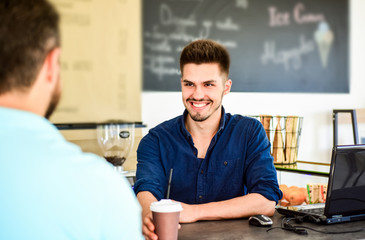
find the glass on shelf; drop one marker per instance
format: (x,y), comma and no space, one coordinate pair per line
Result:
(284,134)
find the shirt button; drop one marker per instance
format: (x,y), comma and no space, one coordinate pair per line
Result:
(202,171)
(225,163)
(200,196)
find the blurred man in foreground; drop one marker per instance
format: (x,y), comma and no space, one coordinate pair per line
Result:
(49,188)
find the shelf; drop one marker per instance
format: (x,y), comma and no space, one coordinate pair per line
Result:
(131,173)
(302,167)
(91,125)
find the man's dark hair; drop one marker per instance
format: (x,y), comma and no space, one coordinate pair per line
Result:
(28,32)
(205,51)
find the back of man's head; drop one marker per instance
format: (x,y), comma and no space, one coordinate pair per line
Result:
(205,51)
(28,32)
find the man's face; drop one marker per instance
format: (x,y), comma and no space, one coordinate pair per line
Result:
(203,87)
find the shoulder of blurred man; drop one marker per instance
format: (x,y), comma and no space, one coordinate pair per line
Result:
(60,190)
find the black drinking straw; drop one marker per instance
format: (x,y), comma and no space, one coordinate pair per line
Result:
(169,184)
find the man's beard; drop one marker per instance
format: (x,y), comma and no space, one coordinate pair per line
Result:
(198,118)
(56,95)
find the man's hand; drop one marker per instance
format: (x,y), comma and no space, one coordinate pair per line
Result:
(148,228)
(189,213)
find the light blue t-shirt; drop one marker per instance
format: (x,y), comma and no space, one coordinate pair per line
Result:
(50,189)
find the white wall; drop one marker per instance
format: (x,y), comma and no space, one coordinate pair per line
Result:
(316,141)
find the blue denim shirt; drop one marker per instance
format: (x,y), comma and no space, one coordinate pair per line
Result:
(237,162)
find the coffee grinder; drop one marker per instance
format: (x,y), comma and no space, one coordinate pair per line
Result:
(116,141)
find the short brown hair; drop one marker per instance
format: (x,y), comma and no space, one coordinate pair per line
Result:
(29,30)
(205,51)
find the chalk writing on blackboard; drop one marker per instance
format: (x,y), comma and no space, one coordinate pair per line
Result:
(275,46)
(157,41)
(288,58)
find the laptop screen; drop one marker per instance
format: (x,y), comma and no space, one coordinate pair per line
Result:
(346,193)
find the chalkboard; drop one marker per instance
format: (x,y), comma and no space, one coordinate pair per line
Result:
(275,45)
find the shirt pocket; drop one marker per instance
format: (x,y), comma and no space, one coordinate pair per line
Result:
(227,178)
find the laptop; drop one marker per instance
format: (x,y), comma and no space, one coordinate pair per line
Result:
(346,190)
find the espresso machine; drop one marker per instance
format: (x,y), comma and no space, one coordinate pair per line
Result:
(116,141)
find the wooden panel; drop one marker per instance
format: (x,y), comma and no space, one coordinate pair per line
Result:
(100,61)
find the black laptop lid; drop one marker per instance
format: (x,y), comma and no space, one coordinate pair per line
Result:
(346,186)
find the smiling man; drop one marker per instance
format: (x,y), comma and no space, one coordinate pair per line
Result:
(222,167)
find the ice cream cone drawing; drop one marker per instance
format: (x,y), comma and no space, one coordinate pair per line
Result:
(324,38)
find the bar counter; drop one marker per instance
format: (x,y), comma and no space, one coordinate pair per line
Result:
(238,229)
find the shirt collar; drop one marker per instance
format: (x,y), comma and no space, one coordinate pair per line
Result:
(222,123)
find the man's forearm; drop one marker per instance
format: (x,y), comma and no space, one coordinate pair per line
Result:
(145,199)
(244,206)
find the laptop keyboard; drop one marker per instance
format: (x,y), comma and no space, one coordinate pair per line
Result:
(317,211)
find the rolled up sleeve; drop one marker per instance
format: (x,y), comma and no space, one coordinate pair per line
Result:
(260,174)
(150,174)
